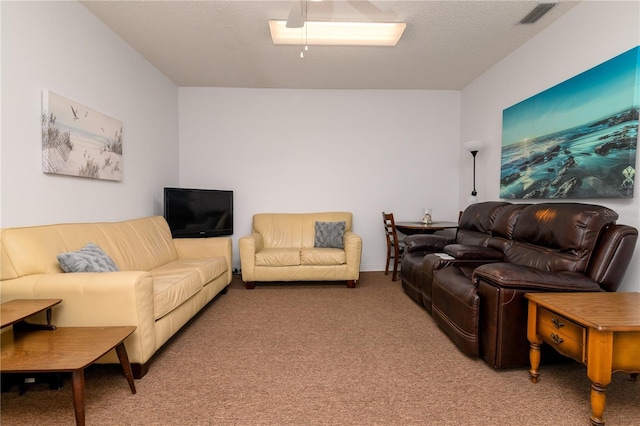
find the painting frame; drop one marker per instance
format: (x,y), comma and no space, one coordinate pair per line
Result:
(79,141)
(577,139)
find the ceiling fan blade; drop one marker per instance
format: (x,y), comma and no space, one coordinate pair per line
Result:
(296,15)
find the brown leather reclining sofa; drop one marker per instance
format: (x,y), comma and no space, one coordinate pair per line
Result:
(474,283)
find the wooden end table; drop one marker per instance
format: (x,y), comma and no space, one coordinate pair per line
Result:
(601,330)
(61,349)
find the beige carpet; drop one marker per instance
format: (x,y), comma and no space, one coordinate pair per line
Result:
(323,354)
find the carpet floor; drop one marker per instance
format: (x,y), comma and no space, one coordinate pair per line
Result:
(323,354)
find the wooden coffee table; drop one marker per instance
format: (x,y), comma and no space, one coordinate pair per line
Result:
(601,330)
(16,311)
(64,349)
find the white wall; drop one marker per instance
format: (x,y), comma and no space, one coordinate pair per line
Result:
(62,47)
(304,150)
(589,34)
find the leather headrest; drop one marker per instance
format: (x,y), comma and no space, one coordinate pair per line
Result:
(480,216)
(568,227)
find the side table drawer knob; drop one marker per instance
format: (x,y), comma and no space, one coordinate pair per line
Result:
(556,338)
(557,322)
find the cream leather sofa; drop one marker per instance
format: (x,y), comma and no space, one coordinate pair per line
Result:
(281,248)
(161,282)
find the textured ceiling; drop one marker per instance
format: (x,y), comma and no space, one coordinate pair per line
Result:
(215,43)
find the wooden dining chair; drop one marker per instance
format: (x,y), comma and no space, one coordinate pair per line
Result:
(395,247)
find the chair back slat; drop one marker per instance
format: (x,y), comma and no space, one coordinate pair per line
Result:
(395,248)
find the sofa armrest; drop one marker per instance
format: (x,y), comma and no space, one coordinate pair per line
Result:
(433,262)
(462,256)
(248,246)
(95,299)
(469,252)
(510,275)
(353,254)
(427,243)
(206,247)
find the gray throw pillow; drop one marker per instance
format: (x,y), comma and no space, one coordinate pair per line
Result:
(329,234)
(90,258)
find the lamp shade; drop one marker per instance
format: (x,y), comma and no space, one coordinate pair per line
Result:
(474,145)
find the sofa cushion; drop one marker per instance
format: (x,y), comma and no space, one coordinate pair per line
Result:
(171,288)
(287,230)
(134,245)
(138,244)
(278,257)
(329,234)
(479,217)
(430,243)
(476,222)
(558,236)
(509,275)
(209,268)
(89,258)
(570,227)
(322,256)
(465,252)
(506,219)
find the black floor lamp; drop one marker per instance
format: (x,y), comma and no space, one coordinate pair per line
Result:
(473,147)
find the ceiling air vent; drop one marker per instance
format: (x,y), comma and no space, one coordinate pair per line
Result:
(538,12)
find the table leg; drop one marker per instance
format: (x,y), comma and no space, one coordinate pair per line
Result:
(598,400)
(534,359)
(78,396)
(126,365)
(535,342)
(600,356)
(23,325)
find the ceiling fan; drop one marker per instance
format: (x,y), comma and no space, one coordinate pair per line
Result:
(297,14)
(299,8)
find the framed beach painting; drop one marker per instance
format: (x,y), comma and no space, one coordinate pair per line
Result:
(79,141)
(577,139)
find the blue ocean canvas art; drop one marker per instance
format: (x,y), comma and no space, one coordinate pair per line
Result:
(577,139)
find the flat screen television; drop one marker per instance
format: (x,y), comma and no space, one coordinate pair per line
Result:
(193,213)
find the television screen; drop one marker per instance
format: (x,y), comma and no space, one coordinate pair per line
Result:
(194,213)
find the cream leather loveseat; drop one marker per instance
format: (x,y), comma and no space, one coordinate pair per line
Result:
(290,247)
(161,282)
